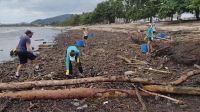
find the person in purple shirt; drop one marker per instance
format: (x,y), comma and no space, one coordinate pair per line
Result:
(24,50)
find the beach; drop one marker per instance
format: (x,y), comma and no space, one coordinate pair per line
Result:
(100,59)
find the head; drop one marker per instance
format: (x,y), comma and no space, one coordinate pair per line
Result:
(72,56)
(84,29)
(149,25)
(29,33)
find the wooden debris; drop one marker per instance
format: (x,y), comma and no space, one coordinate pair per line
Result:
(70,93)
(173,89)
(163,96)
(48,83)
(124,58)
(158,71)
(144,107)
(183,78)
(196,66)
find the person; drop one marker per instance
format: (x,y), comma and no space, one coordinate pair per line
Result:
(85,36)
(150,38)
(72,56)
(139,34)
(24,50)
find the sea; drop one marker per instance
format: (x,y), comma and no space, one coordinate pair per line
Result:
(10,36)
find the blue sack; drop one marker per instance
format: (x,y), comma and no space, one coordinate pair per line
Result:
(161,35)
(90,35)
(79,43)
(144,48)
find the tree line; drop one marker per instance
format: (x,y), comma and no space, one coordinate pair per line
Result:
(131,10)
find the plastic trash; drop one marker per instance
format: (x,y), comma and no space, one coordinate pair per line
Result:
(161,35)
(80,43)
(144,48)
(90,35)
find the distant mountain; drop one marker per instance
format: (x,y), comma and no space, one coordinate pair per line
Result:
(51,20)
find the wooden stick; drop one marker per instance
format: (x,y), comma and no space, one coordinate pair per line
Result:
(159,71)
(135,64)
(172,89)
(124,58)
(144,108)
(139,61)
(183,78)
(163,96)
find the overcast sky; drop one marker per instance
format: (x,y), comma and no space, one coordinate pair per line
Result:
(16,11)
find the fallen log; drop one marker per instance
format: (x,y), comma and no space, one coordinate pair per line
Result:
(48,83)
(70,94)
(183,78)
(172,89)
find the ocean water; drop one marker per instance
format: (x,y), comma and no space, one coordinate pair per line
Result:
(10,36)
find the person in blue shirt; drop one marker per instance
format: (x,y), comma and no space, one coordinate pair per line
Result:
(72,55)
(24,50)
(150,38)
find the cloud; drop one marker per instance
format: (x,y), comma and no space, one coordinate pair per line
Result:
(15,11)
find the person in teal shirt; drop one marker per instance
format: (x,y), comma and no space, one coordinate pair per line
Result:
(72,55)
(150,38)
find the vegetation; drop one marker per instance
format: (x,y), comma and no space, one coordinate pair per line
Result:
(108,11)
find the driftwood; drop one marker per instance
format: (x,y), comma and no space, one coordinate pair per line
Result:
(124,58)
(158,71)
(70,93)
(47,83)
(144,107)
(139,61)
(196,66)
(183,78)
(163,96)
(172,89)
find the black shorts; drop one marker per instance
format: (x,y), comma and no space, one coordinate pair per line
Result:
(149,39)
(85,37)
(24,56)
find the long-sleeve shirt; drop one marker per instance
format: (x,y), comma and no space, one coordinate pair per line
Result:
(77,55)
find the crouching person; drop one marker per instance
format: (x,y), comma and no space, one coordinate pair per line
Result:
(72,56)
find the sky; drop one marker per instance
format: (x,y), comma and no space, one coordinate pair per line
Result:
(17,11)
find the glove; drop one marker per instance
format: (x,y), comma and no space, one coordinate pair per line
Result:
(67,72)
(78,60)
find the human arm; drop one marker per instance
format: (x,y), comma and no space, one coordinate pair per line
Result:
(29,48)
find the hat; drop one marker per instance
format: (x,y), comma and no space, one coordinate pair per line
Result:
(28,32)
(72,58)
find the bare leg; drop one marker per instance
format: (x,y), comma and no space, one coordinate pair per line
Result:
(18,69)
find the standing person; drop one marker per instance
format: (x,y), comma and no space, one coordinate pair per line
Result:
(72,56)
(139,35)
(24,50)
(85,36)
(150,38)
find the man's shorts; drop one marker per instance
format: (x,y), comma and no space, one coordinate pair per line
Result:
(24,56)
(85,37)
(150,39)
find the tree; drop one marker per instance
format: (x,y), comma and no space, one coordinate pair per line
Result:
(170,7)
(194,5)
